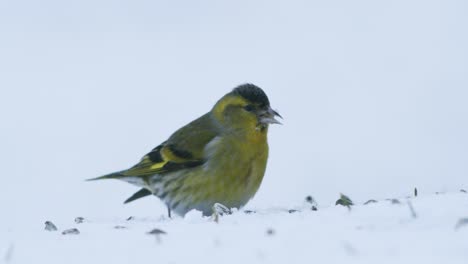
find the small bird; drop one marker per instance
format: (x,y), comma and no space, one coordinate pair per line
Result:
(220,157)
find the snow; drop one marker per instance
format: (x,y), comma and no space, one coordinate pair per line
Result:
(381,232)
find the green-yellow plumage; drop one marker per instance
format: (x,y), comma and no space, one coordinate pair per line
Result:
(220,157)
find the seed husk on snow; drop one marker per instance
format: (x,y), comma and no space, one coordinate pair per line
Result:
(270,231)
(49,226)
(461,222)
(370,201)
(221,209)
(72,231)
(344,201)
(156,231)
(79,220)
(311,200)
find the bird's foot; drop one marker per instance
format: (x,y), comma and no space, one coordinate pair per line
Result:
(219,210)
(169,212)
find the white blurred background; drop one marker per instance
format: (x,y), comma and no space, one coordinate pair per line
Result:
(373,94)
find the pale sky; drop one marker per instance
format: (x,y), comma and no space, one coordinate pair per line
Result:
(373,95)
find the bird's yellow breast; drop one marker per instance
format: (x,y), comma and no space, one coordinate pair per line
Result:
(236,168)
(232,174)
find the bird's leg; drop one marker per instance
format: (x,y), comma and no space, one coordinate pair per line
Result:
(168,211)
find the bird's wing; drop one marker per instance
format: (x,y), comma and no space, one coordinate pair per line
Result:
(184,149)
(162,159)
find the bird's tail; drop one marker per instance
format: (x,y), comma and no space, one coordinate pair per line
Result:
(120,175)
(140,194)
(115,175)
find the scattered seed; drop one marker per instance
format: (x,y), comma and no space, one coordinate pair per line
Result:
(249,212)
(461,222)
(291,211)
(120,227)
(350,249)
(395,201)
(49,226)
(270,231)
(462,190)
(72,231)
(221,209)
(415,192)
(130,218)
(370,201)
(311,200)
(156,232)
(79,220)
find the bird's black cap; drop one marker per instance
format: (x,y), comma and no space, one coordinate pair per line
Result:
(252,93)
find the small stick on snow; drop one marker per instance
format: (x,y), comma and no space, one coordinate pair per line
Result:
(413,212)
(8,254)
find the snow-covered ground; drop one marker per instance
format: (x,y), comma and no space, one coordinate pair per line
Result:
(382,232)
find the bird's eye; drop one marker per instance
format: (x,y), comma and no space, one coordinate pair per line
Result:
(249,108)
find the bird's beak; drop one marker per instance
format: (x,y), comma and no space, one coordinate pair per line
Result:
(268,117)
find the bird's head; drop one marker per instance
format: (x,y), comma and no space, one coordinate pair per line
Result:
(245,107)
